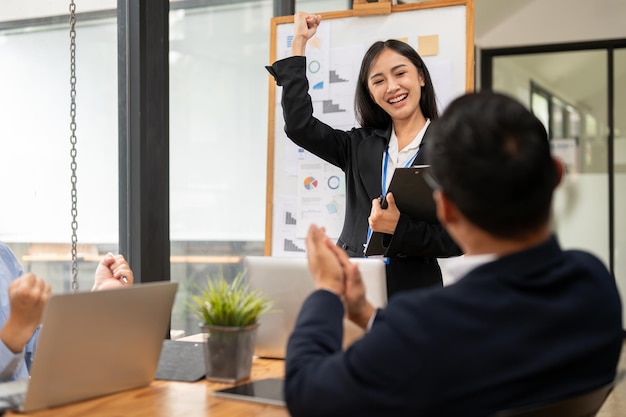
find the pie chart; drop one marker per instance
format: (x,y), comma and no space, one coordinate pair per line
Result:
(310,183)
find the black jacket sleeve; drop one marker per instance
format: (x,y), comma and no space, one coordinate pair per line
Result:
(300,125)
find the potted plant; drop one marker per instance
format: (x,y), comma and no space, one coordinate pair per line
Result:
(229,312)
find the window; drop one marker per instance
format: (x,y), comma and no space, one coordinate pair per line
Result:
(34,134)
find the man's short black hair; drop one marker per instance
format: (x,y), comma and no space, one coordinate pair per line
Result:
(491,157)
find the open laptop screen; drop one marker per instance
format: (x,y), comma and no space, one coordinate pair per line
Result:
(287,281)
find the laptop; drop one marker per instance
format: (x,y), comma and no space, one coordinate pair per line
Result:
(93,344)
(287,281)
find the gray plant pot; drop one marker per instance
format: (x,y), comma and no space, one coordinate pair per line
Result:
(228,352)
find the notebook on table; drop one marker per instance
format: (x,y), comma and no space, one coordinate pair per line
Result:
(93,344)
(288,282)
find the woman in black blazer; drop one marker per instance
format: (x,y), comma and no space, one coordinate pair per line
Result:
(394,102)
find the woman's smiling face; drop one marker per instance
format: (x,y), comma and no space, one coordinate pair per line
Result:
(395,84)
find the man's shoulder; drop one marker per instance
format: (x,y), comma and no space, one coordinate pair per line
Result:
(585,257)
(587,265)
(8,260)
(6,254)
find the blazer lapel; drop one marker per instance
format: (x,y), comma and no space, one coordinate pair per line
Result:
(420,158)
(369,160)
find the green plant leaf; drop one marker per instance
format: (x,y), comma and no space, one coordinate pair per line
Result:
(223,303)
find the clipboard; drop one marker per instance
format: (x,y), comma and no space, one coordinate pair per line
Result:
(413,197)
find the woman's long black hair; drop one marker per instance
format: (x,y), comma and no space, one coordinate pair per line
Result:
(370,114)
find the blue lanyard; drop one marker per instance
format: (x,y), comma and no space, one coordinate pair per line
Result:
(386,162)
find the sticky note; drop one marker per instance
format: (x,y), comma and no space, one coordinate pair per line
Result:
(428,45)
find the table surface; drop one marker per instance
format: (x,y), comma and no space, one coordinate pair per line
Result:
(173,398)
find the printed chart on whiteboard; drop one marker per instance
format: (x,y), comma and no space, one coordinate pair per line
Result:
(320,190)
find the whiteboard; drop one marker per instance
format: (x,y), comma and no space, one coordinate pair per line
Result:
(301,188)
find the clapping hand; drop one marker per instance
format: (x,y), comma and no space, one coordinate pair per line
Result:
(112,272)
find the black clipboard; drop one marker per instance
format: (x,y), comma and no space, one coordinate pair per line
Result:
(414,197)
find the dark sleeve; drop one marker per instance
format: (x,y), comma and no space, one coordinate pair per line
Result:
(301,127)
(370,378)
(423,239)
(315,333)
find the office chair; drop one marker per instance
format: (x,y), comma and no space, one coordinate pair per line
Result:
(586,404)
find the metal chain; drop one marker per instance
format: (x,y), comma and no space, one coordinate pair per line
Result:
(74,210)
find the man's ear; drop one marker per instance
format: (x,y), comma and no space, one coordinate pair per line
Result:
(560,170)
(447,213)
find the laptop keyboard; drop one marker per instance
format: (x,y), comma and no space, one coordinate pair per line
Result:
(12,402)
(12,394)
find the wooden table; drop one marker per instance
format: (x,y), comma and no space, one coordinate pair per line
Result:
(173,399)
(184,399)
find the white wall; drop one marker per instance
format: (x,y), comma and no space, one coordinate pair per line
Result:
(507,23)
(498,23)
(620,238)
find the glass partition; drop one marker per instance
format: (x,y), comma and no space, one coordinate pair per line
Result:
(218,141)
(35,218)
(575,114)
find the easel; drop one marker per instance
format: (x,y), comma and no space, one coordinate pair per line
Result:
(363,8)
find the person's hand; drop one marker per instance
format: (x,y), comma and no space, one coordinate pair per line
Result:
(324,265)
(304,27)
(358,309)
(27,298)
(384,220)
(112,272)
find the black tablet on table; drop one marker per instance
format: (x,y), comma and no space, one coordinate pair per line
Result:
(264,391)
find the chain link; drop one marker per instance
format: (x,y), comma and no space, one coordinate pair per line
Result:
(74,210)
